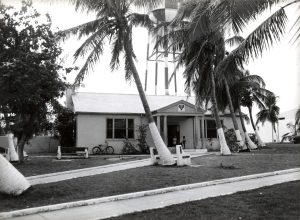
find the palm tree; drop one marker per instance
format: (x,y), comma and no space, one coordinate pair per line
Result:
(114,23)
(270,113)
(253,91)
(297,121)
(227,80)
(235,17)
(202,50)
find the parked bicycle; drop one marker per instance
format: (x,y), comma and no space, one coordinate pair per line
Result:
(129,148)
(103,149)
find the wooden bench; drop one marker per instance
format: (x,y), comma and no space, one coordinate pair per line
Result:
(72,151)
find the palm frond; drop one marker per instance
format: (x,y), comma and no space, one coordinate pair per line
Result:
(236,14)
(235,40)
(263,37)
(89,64)
(95,40)
(142,20)
(82,30)
(147,4)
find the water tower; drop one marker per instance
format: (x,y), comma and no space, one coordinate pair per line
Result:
(165,12)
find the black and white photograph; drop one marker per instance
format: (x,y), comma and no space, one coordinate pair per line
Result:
(149,109)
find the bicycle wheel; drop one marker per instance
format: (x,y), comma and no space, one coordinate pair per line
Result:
(96,150)
(109,150)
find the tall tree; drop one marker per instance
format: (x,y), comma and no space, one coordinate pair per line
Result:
(30,79)
(270,113)
(114,22)
(202,50)
(252,90)
(229,16)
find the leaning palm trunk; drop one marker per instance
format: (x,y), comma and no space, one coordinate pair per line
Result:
(248,141)
(166,157)
(234,120)
(260,142)
(223,144)
(12,182)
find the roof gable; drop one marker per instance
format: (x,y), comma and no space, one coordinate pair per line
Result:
(180,106)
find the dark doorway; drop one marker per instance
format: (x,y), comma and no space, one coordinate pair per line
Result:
(173,135)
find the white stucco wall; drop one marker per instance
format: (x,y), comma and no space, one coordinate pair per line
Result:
(91,130)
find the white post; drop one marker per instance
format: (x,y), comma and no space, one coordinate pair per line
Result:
(179,153)
(58,152)
(86,153)
(13,156)
(152,156)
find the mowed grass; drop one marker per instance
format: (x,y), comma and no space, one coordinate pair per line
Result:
(37,165)
(207,168)
(272,202)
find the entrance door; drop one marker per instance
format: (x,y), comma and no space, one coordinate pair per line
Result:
(173,135)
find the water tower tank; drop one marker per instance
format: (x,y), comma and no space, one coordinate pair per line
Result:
(166,11)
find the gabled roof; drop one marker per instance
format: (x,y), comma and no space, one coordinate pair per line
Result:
(122,103)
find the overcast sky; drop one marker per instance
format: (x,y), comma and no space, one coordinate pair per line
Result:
(279,66)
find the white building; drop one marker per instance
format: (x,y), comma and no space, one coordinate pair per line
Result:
(114,117)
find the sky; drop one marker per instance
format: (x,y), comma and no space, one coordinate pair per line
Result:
(278,66)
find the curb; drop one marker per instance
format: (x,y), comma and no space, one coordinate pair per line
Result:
(55,207)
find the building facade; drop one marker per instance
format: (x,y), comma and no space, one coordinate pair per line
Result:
(116,117)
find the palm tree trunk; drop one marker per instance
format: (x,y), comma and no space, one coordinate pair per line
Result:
(12,182)
(223,144)
(260,142)
(234,120)
(272,132)
(21,147)
(248,141)
(166,157)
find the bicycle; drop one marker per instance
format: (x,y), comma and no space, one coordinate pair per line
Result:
(129,148)
(103,149)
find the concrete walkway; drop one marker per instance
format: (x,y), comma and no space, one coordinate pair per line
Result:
(134,202)
(71,174)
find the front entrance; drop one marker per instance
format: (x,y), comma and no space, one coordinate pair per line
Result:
(173,135)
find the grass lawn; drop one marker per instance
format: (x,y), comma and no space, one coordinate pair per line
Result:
(36,165)
(153,177)
(272,202)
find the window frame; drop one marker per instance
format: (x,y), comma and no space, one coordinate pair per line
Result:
(126,129)
(205,127)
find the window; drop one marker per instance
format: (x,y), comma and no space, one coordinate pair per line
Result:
(109,128)
(119,128)
(211,128)
(130,128)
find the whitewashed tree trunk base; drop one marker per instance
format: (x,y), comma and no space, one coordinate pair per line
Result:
(250,143)
(240,139)
(13,156)
(165,155)
(12,182)
(260,142)
(223,144)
